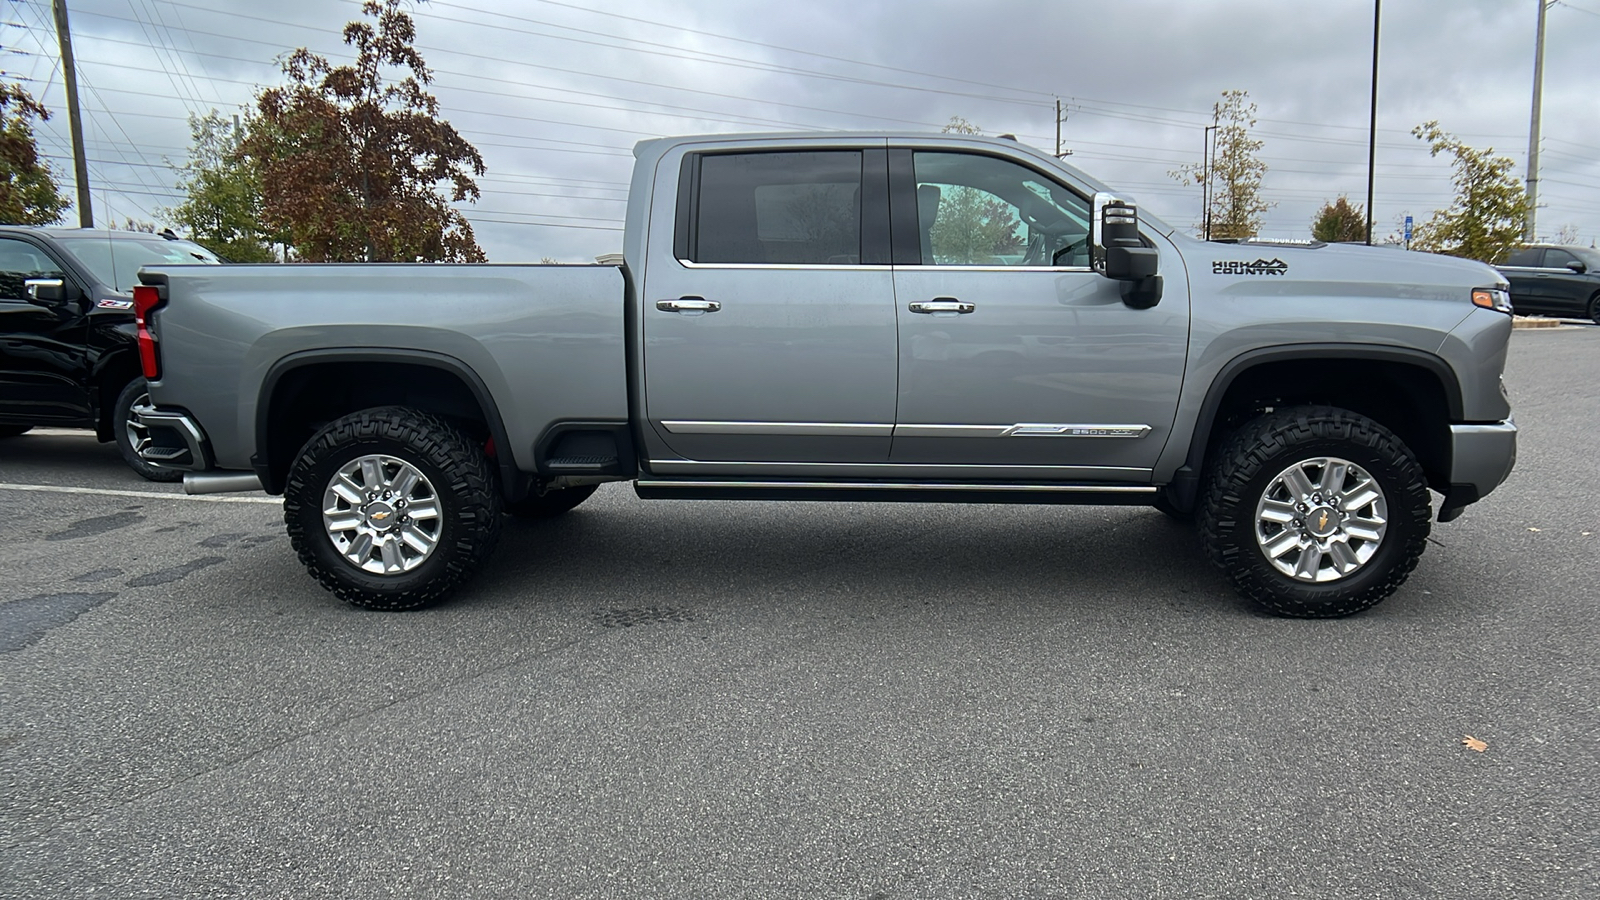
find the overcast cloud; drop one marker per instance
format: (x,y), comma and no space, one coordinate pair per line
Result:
(554,94)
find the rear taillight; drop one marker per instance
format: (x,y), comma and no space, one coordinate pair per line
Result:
(146,298)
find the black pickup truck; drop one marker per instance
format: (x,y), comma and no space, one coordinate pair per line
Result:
(69,353)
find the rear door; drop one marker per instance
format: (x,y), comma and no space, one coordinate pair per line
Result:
(1522,269)
(769,328)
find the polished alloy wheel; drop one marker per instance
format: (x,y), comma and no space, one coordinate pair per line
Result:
(382,514)
(138,434)
(1321,519)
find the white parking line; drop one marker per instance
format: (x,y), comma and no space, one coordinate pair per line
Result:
(155,495)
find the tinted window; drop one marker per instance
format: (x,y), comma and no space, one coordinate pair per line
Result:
(1558,259)
(1527,257)
(984,211)
(116,262)
(779,208)
(19,261)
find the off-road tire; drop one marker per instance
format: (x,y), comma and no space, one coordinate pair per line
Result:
(463,481)
(122,416)
(1262,449)
(551,503)
(8,431)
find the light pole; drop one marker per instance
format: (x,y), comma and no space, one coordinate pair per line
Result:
(1529,232)
(1372,125)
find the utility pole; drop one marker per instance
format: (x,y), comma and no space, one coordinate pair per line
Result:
(1060,120)
(1372,125)
(80,163)
(1208,158)
(1529,232)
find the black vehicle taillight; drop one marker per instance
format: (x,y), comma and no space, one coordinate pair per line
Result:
(146,298)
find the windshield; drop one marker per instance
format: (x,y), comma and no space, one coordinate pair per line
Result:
(115,261)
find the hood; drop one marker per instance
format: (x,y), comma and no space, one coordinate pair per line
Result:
(1349,269)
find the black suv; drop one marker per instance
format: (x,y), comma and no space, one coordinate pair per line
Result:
(1554,280)
(69,352)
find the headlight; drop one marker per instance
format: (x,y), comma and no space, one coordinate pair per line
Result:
(1496,299)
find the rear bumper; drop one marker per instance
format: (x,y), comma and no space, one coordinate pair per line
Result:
(1482,456)
(176,441)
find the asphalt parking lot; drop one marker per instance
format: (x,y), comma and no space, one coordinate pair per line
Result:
(706,700)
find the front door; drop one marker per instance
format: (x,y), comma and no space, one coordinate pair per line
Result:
(1013,352)
(42,356)
(771,336)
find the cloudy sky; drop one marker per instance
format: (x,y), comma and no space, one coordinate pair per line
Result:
(554,94)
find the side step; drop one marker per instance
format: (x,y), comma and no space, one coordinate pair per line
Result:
(581,464)
(903,492)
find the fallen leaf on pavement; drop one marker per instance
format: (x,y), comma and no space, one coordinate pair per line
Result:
(1533,529)
(1475,744)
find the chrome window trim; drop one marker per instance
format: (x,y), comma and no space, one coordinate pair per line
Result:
(831,429)
(833,267)
(825,267)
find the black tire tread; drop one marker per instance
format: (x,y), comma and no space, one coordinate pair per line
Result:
(1262,442)
(119,432)
(471,478)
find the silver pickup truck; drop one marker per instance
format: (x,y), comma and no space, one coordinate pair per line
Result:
(850,317)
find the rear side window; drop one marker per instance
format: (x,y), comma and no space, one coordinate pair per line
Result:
(793,208)
(1528,257)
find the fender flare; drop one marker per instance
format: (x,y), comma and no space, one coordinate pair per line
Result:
(510,477)
(1185,484)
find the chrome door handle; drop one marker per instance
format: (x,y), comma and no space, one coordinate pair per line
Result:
(693,306)
(942,306)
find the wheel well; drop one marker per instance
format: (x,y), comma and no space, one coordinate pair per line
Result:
(304,399)
(1407,399)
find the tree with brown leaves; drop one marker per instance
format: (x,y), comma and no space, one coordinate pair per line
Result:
(28,194)
(349,158)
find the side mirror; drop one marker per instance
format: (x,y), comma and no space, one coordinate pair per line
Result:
(1118,253)
(1578,266)
(50,293)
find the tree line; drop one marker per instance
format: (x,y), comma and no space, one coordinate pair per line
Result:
(349,163)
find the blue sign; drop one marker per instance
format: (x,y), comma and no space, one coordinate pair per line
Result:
(1408,228)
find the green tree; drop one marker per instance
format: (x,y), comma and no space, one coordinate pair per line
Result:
(1235,172)
(973,226)
(1490,208)
(28,194)
(350,158)
(1340,221)
(223,209)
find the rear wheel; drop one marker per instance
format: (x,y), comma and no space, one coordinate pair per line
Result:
(127,424)
(392,508)
(1315,512)
(551,503)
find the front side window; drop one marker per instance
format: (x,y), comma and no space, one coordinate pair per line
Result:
(795,208)
(20,261)
(975,210)
(1558,259)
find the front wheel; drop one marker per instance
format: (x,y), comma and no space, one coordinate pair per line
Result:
(1315,512)
(7,431)
(127,424)
(392,508)
(1594,308)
